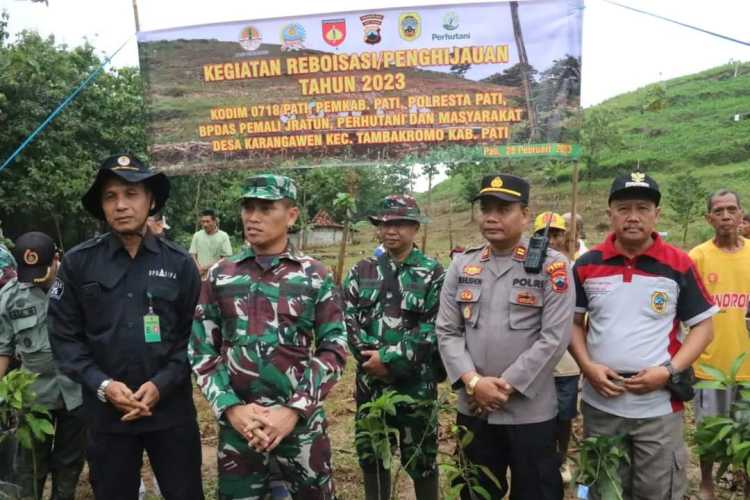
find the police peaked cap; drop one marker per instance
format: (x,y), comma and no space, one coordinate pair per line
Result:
(130,169)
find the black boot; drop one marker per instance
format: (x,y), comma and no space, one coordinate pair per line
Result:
(427,488)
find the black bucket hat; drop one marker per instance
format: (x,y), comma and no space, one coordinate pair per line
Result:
(130,169)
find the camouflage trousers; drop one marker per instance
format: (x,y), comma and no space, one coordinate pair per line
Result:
(416,425)
(302,461)
(60,455)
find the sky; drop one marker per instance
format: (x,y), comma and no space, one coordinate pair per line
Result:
(622,50)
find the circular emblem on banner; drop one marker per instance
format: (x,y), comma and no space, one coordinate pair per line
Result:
(123,161)
(659,302)
(30,257)
(293,37)
(410,26)
(250,38)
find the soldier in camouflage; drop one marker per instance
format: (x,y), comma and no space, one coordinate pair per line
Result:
(268,345)
(391,305)
(7,266)
(23,332)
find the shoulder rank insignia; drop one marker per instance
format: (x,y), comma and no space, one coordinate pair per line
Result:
(485,256)
(519,253)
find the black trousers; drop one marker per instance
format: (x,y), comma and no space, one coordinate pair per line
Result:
(527,449)
(115,462)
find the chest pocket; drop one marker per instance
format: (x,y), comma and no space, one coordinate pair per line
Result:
(468,304)
(296,310)
(525,309)
(164,293)
(29,337)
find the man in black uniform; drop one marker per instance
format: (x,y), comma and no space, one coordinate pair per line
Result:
(120,315)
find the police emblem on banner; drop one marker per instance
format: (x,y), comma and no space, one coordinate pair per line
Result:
(409,26)
(334,31)
(292,37)
(659,302)
(371,24)
(250,38)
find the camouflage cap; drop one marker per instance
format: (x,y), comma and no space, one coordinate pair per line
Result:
(270,187)
(398,207)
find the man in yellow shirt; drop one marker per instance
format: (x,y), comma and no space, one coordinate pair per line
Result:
(724,264)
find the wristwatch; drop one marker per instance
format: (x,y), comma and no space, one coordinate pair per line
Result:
(101,392)
(670,368)
(472,384)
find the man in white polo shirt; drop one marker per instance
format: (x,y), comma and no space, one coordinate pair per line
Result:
(636,290)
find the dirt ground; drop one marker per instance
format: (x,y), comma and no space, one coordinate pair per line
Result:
(340,408)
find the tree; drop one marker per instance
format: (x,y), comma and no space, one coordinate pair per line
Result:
(41,190)
(460,69)
(685,198)
(597,135)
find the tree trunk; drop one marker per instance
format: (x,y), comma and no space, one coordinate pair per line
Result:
(450,226)
(684,232)
(342,253)
(524,60)
(429,208)
(196,210)
(59,232)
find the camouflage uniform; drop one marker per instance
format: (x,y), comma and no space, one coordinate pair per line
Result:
(7,266)
(271,332)
(23,332)
(404,334)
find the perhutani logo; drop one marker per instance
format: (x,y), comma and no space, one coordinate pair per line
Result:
(450,23)
(161,273)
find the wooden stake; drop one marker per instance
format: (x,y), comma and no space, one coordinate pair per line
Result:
(573,239)
(429,210)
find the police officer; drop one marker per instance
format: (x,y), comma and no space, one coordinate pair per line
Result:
(501,330)
(268,345)
(120,316)
(391,304)
(23,332)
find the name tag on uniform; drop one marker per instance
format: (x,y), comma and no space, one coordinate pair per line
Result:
(151,329)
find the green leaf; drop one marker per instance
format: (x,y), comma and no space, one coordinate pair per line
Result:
(710,384)
(490,475)
(715,373)
(482,491)
(736,366)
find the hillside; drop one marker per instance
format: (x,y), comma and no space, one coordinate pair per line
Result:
(694,131)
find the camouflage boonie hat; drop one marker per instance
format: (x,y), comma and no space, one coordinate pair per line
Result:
(270,187)
(398,207)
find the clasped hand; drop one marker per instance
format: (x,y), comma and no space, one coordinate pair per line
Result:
(263,427)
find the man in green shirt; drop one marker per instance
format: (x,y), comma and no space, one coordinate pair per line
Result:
(210,244)
(23,332)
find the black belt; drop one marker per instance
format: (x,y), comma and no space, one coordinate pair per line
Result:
(627,374)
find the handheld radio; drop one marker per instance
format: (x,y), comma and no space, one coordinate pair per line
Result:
(537,250)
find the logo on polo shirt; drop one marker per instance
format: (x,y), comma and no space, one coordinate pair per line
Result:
(659,302)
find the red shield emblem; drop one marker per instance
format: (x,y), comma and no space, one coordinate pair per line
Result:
(334,31)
